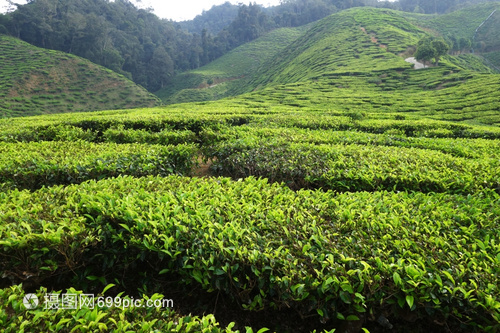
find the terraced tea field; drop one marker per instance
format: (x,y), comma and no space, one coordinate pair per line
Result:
(224,76)
(38,81)
(343,227)
(327,200)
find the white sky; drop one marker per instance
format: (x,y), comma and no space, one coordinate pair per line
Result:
(177,10)
(180,10)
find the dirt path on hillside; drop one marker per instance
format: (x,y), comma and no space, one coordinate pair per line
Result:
(412,60)
(373,38)
(418,65)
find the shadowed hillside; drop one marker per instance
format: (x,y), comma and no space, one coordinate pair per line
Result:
(37,81)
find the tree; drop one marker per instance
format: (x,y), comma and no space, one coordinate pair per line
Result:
(4,23)
(161,68)
(430,48)
(425,52)
(464,44)
(441,49)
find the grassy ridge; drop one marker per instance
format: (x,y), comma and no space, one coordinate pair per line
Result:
(356,42)
(488,36)
(38,81)
(440,93)
(342,43)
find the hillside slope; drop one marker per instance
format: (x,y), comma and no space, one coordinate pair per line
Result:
(223,76)
(354,42)
(353,63)
(37,81)
(473,24)
(461,23)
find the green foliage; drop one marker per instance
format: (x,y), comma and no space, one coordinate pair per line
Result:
(49,163)
(165,137)
(488,35)
(399,222)
(441,49)
(213,20)
(425,52)
(477,63)
(494,58)
(341,44)
(324,254)
(459,24)
(429,48)
(354,167)
(227,72)
(435,7)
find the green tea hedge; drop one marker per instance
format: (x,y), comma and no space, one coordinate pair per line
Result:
(36,164)
(14,317)
(353,167)
(334,256)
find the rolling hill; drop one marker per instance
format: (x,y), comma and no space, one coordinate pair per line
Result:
(461,23)
(480,24)
(354,42)
(353,61)
(37,81)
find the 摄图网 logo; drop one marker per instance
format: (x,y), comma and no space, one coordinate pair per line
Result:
(30,301)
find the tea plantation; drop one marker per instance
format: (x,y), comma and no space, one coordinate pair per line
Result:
(36,81)
(362,197)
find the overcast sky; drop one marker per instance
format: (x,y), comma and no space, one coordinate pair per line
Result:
(177,10)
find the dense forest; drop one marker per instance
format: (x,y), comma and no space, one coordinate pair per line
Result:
(150,50)
(213,20)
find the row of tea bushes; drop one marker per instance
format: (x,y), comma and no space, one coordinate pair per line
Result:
(354,122)
(165,137)
(468,148)
(115,134)
(353,167)
(334,256)
(170,126)
(36,164)
(156,120)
